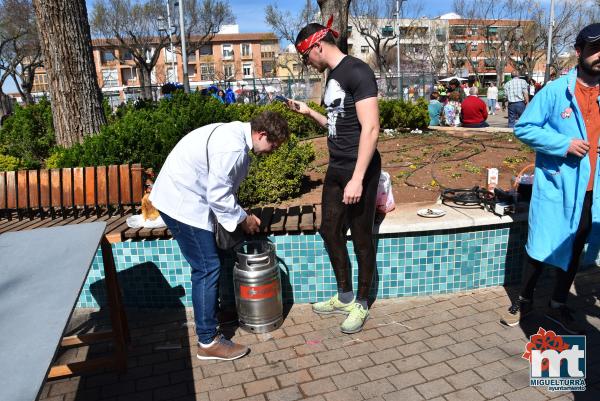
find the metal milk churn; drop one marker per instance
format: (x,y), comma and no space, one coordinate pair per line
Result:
(257,285)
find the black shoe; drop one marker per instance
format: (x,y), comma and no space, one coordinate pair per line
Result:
(516,312)
(563,316)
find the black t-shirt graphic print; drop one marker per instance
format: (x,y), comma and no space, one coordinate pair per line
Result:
(350,81)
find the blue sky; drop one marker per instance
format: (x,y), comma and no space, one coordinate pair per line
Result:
(250,15)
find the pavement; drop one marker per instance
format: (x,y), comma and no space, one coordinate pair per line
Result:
(442,347)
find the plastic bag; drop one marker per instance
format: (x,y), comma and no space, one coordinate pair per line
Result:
(498,107)
(385,196)
(138,221)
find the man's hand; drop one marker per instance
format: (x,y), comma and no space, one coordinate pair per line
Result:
(578,147)
(251,225)
(352,192)
(298,107)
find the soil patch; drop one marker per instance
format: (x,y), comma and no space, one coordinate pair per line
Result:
(421,165)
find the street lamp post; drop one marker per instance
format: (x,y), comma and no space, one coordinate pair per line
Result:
(549,51)
(186,79)
(170,32)
(399,84)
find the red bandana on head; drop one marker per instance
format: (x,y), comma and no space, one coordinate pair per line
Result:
(307,43)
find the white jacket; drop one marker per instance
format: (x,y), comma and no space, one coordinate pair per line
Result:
(185,191)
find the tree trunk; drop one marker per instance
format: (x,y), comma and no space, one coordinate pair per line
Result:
(339,10)
(6,107)
(67,48)
(146,83)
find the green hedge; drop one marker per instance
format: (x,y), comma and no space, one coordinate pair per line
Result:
(28,135)
(396,114)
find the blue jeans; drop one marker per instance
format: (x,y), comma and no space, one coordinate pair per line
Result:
(199,249)
(492,105)
(515,109)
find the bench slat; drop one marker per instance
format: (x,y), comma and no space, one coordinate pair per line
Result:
(292,221)
(11,188)
(307,219)
(78,186)
(113,185)
(22,198)
(90,186)
(3,190)
(125,184)
(137,185)
(102,185)
(278,220)
(45,188)
(56,192)
(67,187)
(34,189)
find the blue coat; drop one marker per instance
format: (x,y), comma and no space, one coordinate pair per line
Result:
(548,125)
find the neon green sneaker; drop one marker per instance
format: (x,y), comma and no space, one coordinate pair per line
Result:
(355,320)
(332,306)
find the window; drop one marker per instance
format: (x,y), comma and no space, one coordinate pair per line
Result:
(489,63)
(207,71)
(458,30)
(227,51)
(192,69)
(267,55)
(246,70)
(126,55)
(206,50)
(349,29)
(170,56)
(474,31)
(387,31)
(171,75)
(492,30)
(473,47)
(268,68)
(364,49)
(458,46)
(107,55)
(228,70)
(440,34)
(128,76)
(191,57)
(109,78)
(246,50)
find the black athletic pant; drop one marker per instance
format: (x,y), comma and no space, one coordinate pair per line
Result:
(360,217)
(564,279)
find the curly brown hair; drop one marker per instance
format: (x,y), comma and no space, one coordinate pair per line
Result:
(273,123)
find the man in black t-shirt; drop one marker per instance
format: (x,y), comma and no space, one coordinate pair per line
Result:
(350,187)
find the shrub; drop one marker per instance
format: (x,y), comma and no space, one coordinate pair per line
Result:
(394,114)
(28,134)
(9,163)
(277,176)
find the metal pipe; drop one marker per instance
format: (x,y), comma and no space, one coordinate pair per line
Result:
(399,84)
(186,80)
(170,32)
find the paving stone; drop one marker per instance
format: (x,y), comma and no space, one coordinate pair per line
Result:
(320,386)
(227,394)
(218,368)
(375,388)
(493,388)
(417,347)
(260,386)
(525,394)
(493,370)
(350,379)
(464,379)
(288,379)
(436,371)
(414,335)
(464,348)
(301,363)
(440,341)
(439,329)
(291,341)
(488,341)
(407,379)
(465,334)
(361,348)
(385,355)
(258,397)
(518,379)
(385,343)
(347,394)
(490,355)
(170,392)
(406,394)
(410,363)
(280,355)
(329,369)
(286,394)
(250,361)
(359,362)
(380,371)
(434,388)
(332,356)
(239,377)
(465,362)
(437,355)
(298,329)
(208,384)
(272,369)
(469,394)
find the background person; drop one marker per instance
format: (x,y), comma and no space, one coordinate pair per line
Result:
(473,111)
(492,98)
(435,109)
(517,94)
(190,196)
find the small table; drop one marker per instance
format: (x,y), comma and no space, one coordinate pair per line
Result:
(41,275)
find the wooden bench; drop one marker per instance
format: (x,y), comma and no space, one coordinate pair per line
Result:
(48,198)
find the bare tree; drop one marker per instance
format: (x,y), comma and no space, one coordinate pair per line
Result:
(20,51)
(134,26)
(67,47)
(203,19)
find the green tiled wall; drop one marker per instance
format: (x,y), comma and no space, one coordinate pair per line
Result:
(154,273)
